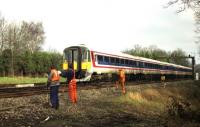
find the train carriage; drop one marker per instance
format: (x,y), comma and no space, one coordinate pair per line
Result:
(94,65)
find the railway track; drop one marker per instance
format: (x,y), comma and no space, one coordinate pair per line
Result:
(8,92)
(23,91)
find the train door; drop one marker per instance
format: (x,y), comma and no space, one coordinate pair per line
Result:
(74,60)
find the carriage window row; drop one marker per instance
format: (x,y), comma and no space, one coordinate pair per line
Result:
(105,60)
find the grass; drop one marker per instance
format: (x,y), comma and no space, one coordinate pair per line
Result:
(147,102)
(23,80)
(177,104)
(143,105)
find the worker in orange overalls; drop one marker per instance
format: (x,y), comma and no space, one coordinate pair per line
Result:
(71,81)
(121,80)
(54,83)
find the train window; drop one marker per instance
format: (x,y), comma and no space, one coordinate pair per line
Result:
(140,64)
(112,60)
(100,58)
(134,63)
(163,67)
(88,56)
(145,65)
(75,55)
(150,65)
(66,54)
(130,63)
(137,64)
(69,56)
(122,61)
(84,55)
(106,59)
(126,62)
(117,60)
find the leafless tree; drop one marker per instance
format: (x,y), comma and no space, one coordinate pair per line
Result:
(189,4)
(32,35)
(3,30)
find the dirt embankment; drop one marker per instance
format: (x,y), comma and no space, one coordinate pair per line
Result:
(163,105)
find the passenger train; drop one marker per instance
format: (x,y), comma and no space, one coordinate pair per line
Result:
(90,65)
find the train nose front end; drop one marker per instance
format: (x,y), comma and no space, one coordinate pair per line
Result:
(78,58)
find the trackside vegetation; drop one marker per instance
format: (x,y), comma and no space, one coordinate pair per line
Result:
(28,64)
(8,81)
(21,80)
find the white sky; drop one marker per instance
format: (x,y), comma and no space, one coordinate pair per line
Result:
(106,24)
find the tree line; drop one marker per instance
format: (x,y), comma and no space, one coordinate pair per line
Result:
(28,63)
(20,49)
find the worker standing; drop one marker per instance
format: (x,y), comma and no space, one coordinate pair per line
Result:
(69,74)
(54,83)
(121,80)
(71,81)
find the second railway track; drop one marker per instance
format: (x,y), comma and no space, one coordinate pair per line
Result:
(7,92)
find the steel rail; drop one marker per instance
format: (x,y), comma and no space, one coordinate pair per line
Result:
(8,92)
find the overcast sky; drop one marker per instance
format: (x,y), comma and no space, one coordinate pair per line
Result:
(106,24)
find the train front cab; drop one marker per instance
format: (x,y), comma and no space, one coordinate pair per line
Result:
(79,58)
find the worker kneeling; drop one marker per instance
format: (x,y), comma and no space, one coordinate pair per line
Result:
(121,80)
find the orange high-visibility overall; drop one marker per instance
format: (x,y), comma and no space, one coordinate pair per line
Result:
(121,80)
(72,90)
